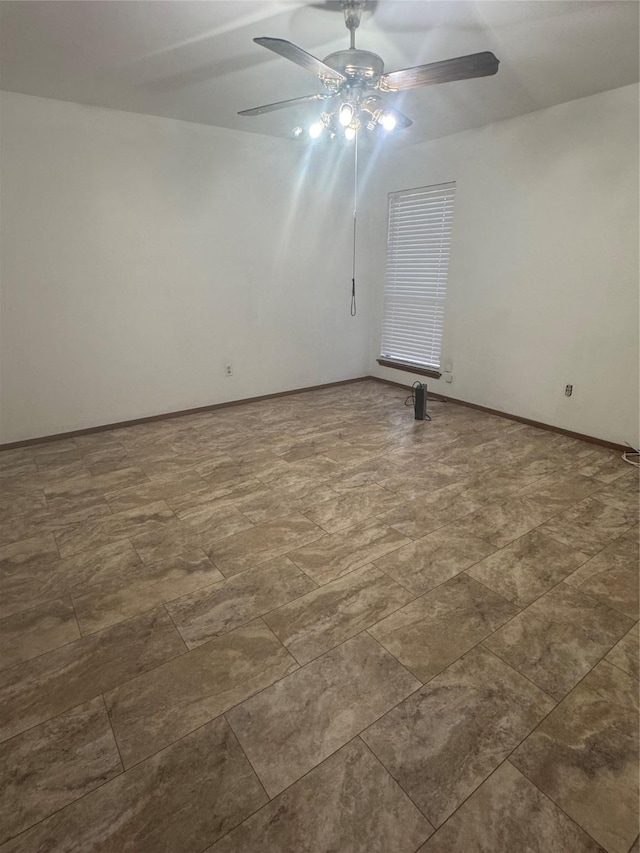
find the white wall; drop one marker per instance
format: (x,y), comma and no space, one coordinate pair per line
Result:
(543,286)
(139,253)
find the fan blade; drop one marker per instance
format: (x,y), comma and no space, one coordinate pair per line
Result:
(301,57)
(281,105)
(461,68)
(375,103)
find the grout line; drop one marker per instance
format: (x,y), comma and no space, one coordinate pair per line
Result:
(249,762)
(555,701)
(176,629)
(27,661)
(368,567)
(113,734)
(605,659)
(391,776)
(75,615)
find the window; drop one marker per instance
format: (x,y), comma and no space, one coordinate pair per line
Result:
(416,280)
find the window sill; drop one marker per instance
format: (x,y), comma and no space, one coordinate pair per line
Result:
(410,368)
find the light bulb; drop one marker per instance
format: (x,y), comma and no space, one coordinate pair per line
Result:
(388,121)
(296,131)
(349,133)
(345,114)
(316,129)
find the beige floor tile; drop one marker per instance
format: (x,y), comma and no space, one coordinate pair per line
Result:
(54,764)
(76,487)
(501,523)
(633,533)
(613,577)
(499,482)
(508,813)
(40,521)
(433,559)
(182,799)
(443,741)
(16,461)
(112,528)
(325,617)
(269,504)
(584,757)
(318,468)
(116,600)
(622,494)
(211,522)
(348,803)
(33,632)
(46,577)
(373,470)
(434,630)
(43,687)
(559,491)
(558,638)
(298,722)
(39,551)
(348,454)
(228,494)
(151,711)
(170,540)
(237,600)
(526,568)
(335,554)
(351,508)
(195,463)
(626,653)
(423,514)
(12,504)
(224,470)
(604,465)
(263,542)
(158,489)
(589,525)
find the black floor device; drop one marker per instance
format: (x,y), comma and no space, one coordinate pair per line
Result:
(420,400)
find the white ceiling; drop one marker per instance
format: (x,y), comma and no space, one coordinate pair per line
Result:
(195,59)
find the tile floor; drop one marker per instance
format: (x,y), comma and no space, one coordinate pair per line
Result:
(315,624)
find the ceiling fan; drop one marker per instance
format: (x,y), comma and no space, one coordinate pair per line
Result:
(353,79)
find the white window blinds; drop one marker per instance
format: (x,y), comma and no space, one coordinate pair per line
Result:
(417,268)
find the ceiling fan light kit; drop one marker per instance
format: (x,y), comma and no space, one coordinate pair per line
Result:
(352,79)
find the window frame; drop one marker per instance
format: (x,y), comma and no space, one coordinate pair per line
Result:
(435,282)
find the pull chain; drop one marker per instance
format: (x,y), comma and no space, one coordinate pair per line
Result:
(355,220)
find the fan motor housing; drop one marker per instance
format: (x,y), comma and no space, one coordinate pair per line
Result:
(356,64)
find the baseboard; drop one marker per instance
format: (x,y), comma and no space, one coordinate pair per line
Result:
(28,442)
(212,407)
(549,427)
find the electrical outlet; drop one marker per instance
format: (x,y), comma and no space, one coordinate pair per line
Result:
(448,377)
(568,390)
(228,368)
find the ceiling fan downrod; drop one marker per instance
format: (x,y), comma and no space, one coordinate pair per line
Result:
(352,15)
